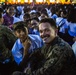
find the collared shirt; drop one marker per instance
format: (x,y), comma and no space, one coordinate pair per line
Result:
(56,58)
(54,16)
(17,50)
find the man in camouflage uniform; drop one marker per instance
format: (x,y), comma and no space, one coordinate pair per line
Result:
(7,40)
(56,57)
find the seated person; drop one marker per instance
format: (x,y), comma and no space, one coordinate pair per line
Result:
(7,39)
(56,57)
(25,42)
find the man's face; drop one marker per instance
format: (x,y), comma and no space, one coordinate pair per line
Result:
(22,35)
(47,33)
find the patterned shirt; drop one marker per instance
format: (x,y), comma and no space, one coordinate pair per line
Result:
(7,39)
(54,59)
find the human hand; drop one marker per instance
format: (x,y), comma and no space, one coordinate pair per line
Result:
(26,45)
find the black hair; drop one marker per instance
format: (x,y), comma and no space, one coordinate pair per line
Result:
(19,25)
(50,21)
(35,18)
(27,15)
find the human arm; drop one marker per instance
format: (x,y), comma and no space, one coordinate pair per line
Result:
(26,45)
(5,53)
(55,61)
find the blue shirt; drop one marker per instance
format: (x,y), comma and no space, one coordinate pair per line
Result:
(34,31)
(54,16)
(17,50)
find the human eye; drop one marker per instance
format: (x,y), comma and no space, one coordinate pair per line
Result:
(40,31)
(46,30)
(18,31)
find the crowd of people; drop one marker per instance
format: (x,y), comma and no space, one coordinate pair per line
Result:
(38,40)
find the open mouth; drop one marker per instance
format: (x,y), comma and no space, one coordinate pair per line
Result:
(45,38)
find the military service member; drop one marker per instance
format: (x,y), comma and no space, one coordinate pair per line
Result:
(56,57)
(7,40)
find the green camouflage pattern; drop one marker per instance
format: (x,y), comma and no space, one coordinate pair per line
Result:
(56,58)
(7,39)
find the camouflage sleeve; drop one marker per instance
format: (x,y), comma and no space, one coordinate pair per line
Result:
(5,53)
(55,60)
(9,36)
(9,33)
(7,40)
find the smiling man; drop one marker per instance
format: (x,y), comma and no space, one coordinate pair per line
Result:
(48,30)
(56,57)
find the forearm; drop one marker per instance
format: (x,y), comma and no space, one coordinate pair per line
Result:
(51,66)
(24,61)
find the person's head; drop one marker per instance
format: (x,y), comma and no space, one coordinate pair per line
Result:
(26,16)
(48,30)
(44,15)
(53,10)
(20,30)
(33,14)
(63,14)
(10,11)
(34,22)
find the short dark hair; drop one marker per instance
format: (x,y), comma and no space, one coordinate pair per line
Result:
(19,25)
(50,21)
(27,15)
(35,18)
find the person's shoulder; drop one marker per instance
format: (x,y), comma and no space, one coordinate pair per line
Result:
(7,32)
(5,28)
(5,15)
(2,27)
(63,47)
(62,43)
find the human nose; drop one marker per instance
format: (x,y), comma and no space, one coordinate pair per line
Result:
(21,33)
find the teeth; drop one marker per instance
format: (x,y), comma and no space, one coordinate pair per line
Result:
(44,38)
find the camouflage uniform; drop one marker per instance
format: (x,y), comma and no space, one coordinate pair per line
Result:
(7,40)
(55,59)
